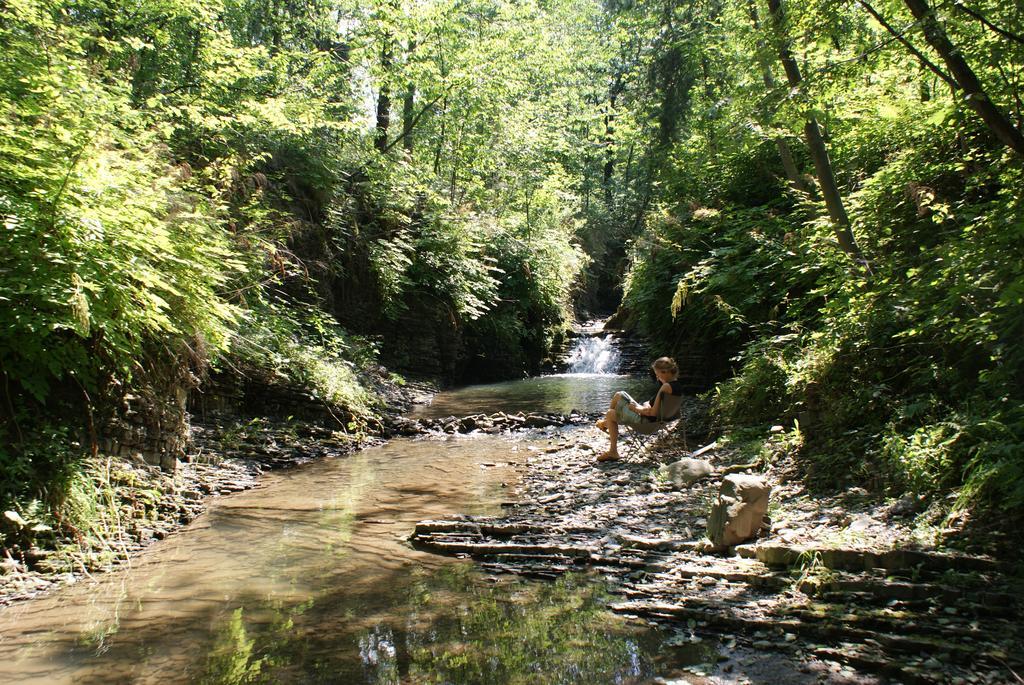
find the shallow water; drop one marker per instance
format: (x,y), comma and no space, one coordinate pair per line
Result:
(309,579)
(559,393)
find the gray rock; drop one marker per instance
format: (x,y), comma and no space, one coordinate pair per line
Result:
(539,421)
(685,472)
(739,512)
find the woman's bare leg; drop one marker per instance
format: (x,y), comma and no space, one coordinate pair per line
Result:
(612,427)
(617,398)
(603,423)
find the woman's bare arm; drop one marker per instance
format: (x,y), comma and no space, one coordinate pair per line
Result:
(645,410)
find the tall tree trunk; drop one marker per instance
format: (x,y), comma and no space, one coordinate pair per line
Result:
(408,103)
(796,181)
(380,139)
(785,153)
(456,160)
(815,143)
(709,93)
(627,174)
(442,138)
(609,136)
(976,98)
(407,116)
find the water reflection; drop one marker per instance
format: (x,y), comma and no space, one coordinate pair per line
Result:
(456,629)
(561,393)
(310,579)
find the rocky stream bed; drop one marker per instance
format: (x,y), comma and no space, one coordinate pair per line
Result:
(844,585)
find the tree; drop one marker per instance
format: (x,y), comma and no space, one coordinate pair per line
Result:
(975,96)
(815,142)
(796,181)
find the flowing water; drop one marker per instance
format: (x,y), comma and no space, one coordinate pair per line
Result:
(594,354)
(561,393)
(587,387)
(309,579)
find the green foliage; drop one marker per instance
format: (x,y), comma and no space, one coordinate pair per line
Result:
(104,250)
(715,278)
(757,395)
(36,479)
(307,350)
(230,660)
(449,262)
(904,375)
(532,302)
(907,372)
(186,183)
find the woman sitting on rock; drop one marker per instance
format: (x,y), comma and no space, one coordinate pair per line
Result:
(625,411)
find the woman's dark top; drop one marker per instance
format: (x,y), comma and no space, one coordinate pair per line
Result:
(677,389)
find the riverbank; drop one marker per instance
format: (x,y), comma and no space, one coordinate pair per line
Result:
(854,589)
(226,452)
(849,588)
(226,455)
(143,503)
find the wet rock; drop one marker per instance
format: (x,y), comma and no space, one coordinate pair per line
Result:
(860,523)
(685,472)
(541,421)
(739,513)
(907,506)
(404,426)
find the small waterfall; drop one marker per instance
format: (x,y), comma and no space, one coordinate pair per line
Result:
(594,355)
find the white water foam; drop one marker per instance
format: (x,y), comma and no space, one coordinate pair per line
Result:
(594,355)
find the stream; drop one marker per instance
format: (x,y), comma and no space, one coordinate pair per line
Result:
(309,578)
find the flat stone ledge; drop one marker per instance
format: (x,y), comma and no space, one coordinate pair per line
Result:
(859,560)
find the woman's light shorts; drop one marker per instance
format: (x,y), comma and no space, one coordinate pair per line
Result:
(623,414)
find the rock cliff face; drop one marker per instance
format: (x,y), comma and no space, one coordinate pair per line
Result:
(424,341)
(148,421)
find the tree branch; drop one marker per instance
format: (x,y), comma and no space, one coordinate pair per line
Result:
(415,120)
(898,35)
(958,4)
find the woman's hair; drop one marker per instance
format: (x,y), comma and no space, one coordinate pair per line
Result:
(666,364)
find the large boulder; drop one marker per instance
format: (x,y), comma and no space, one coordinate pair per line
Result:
(739,513)
(685,472)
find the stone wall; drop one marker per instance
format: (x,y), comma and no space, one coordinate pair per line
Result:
(149,425)
(238,395)
(425,341)
(153,427)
